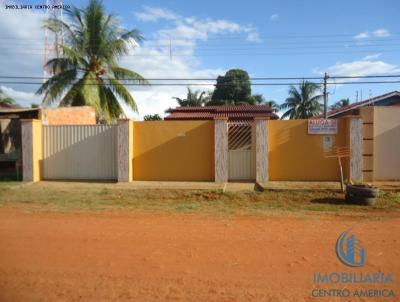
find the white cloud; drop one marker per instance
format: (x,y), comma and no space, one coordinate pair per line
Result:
(152,14)
(24,99)
(22,41)
(372,57)
(359,68)
(274,17)
(363,68)
(200,29)
(381,33)
(253,37)
(363,35)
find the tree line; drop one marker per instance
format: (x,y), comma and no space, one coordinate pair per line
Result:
(234,88)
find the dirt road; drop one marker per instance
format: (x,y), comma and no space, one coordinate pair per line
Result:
(172,257)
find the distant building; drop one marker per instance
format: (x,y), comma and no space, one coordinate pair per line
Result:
(233,113)
(387,99)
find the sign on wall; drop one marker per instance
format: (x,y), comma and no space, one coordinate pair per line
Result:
(327,142)
(322,126)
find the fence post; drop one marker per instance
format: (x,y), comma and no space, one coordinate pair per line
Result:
(31,137)
(261,149)
(125,150)
(356,149)
(221,149)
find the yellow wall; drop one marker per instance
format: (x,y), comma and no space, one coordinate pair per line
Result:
(130,142)
(37,149)
(296,155)
(173,150)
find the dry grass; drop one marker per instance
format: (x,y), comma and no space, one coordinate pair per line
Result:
(98,197)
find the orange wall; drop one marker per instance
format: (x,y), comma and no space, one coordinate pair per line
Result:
(296,155)
(173,150)
(77,115)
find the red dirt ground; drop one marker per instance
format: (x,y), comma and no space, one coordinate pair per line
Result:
(176,257)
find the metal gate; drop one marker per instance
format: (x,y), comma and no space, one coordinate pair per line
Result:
(241,157)
(79,152)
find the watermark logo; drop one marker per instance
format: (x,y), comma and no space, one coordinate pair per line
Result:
(349,250)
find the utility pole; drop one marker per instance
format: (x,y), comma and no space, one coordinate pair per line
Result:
(325,96)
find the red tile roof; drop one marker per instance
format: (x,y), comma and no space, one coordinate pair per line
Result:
(370,101)
(234,112)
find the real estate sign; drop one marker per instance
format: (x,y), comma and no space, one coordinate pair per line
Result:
(322,126)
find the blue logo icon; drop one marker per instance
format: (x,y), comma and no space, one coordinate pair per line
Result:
(349,250)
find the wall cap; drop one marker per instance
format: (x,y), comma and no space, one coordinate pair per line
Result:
(349,116)
(221,118)
(124,120)
(32,120)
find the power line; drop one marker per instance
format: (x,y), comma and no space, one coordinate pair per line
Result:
(255,47)
(158,42)
(210,84)
(235,37)
(213,79)
(235,54)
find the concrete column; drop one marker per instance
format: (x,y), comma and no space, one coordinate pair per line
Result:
(356,149)
(261,150)
(221,149)
(31,134)
(125,151)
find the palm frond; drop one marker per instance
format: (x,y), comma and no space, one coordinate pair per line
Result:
(122,92)
(126,74)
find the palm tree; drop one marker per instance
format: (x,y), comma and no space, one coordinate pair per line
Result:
(6,101)
(340,104)
(302,102)
(87,73)
(193,98)
(273,105)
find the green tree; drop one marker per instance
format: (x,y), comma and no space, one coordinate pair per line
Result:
(34,105)
(6,100)
(152,117)
(256,99)
(340,104)
(303,102)
(87,73)
(232,88)
(193,98)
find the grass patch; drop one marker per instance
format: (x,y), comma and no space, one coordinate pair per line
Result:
(100,197)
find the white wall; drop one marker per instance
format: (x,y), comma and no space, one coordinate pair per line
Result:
(387,143)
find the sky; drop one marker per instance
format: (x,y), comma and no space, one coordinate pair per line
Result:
(204,39)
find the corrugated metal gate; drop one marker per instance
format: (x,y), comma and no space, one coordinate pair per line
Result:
(79,152)
(240,154)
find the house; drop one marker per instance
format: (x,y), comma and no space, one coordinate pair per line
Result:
(233,113)
(10,128)
(381,134)
(387,99)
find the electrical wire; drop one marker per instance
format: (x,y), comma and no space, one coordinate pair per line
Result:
(208,84)
(213,79)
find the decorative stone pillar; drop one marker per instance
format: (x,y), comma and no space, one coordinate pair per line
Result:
(125,150)
(31,136)
(356,149)
(221,149)
(261,150)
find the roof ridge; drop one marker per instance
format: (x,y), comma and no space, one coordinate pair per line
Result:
(357,104)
